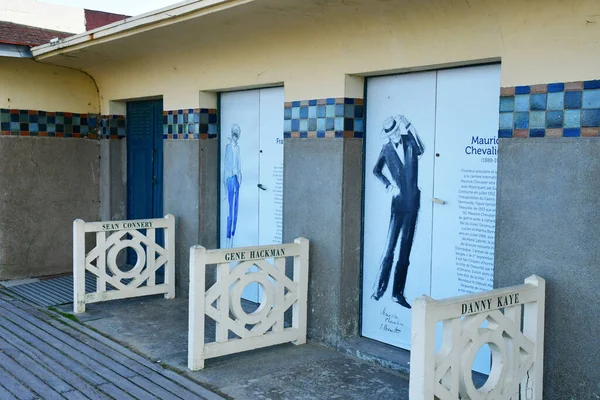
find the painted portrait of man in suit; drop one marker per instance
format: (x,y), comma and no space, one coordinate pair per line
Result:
(400,155)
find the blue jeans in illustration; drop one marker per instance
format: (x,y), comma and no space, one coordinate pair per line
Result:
(233,196)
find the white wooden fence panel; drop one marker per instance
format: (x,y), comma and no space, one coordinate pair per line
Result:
(111,238)
(222,301)
(514,333)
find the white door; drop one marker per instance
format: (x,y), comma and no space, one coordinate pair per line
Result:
(251,171)
(455,114)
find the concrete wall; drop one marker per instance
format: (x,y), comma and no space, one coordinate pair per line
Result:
(29,85)
(45,184)
(329,197)
(547,224)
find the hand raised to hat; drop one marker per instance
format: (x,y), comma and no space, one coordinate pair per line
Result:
(403,120)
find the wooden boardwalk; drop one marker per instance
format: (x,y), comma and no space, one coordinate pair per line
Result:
(42,357)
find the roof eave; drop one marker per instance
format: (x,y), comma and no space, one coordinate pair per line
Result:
(140,23)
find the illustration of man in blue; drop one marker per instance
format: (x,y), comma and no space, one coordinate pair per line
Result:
(232,180)
(401,157)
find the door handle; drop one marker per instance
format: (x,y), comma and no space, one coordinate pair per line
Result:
(436,200)
(261,187)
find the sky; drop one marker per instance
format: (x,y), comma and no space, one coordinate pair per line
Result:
(128,7)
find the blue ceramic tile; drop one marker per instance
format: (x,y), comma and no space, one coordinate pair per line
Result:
(330,101)
(5,126)
(537,119)
(572,118)
(556,87)
(522,90)
(321,124)
(349,100)
(591,84)
(33,118)
(358,135)
(506,120)
(573,100)
(312,102)
(303,134)
(287,113)
(165,129)
(312,112)
(303,125)
(212,118)
(507,103)
(44,128)
(170,119)
(349,111)
(312,124)
(522,102)
(572,132)
(359,111)
(23,126)
(359,125)
(505,133)
(295,125)
(76,120)
(339,124)
(538,101)
(15,126)
(179,111)
(329,124)
(339,110)
(33,127)
(203,118)
(33,133)
(521,120)
(76,128)
(554,119)
(14,118)
(296,113)
(591,98)
(348,124)
(287,125)
(303,112)
(537,132)
(197,118)
(320,134)
(212,129)
(330,111)
(556,101)
(321,111)
(590,118)
(287,135)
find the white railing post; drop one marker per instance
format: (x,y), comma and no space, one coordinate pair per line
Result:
(170,265)
(533,329)
(299,313)
(196,308)
(422,350)
(78,266)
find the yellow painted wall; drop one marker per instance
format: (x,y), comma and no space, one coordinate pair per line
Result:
(27,84)
(312,45)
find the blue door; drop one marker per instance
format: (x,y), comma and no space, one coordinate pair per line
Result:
(145,166)
(144,160)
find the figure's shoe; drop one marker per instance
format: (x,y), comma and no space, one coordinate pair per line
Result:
(400,299)
(375,296)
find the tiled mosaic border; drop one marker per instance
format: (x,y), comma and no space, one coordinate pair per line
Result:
(324,118)
(550,110)
(191,123)
(61,124)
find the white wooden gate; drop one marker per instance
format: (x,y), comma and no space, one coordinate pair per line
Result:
(514,332)
(222,302)
(112,282)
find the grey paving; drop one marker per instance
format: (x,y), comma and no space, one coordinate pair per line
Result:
(157,327)
(51,357)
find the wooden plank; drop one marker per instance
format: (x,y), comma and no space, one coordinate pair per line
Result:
(115,392)
(74,395)
(31,380)
(252,253)
(14,386)
(126,294)
(60,358)
(166,379)
(34,365)
(127,225)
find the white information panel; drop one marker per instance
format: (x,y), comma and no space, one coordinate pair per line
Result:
(453,116)
(396,264)
(251,171)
